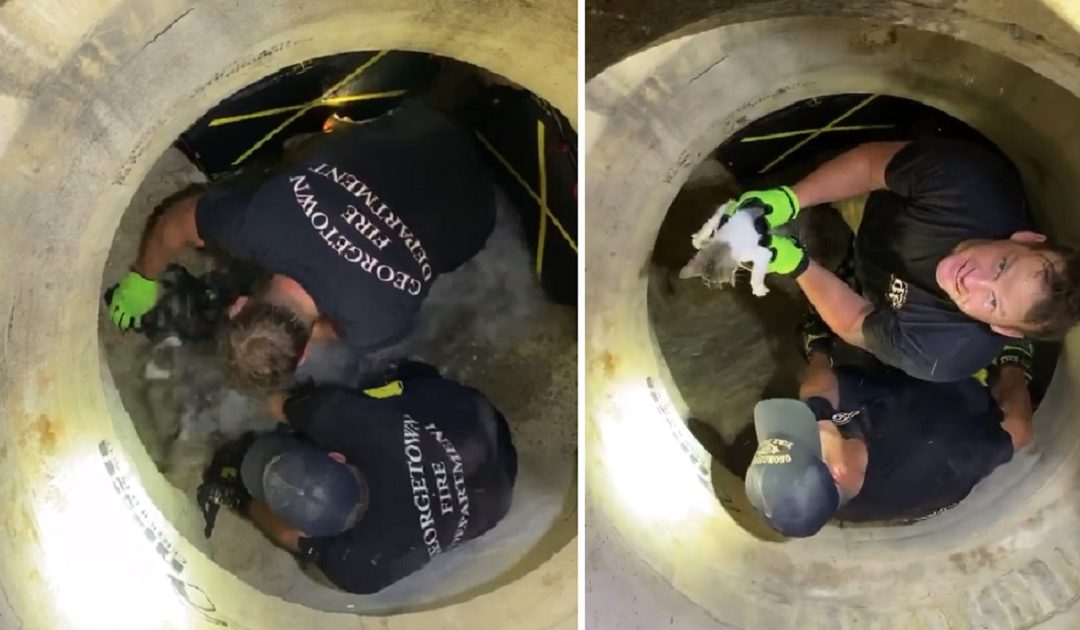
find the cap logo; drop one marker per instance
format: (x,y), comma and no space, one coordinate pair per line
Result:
(897,294)
(843,417)
(773,451)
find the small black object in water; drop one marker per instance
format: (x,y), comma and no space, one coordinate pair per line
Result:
(191,307)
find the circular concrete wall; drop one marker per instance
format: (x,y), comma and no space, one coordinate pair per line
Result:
(1005,558)
(90,96)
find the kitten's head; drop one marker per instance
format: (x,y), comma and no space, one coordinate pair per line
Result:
(713,264)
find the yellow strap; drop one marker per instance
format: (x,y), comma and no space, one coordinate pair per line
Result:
(391,389)
(330,102)
(541,240)
(806,132)
(352,75)
(817,132)
(532,193)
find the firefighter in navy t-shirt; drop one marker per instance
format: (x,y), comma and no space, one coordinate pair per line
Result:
(370,485)
(882,445)
(948,266)
(355,228)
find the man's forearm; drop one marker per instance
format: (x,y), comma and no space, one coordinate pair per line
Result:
(850,174)
(166,236)
(842,309)
(1014,398)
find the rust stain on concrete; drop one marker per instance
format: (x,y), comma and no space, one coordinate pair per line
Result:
(610,363)
(47,433)
(44,379)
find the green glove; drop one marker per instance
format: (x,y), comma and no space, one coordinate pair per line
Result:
(781,204)
(788,259)
(132,298)
(1016,352)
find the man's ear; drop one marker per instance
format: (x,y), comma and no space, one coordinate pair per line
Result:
(839,471)
(1024,236)
(238,305)
(1008,331)
(337,457)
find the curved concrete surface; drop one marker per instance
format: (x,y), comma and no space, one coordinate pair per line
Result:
(90,96)
(1007,557)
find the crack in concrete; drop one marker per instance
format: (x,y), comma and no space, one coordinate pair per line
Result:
(9,608)
(167,27)
(711,66)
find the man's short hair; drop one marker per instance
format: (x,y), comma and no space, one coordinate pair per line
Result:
(1053,316)
(263,346)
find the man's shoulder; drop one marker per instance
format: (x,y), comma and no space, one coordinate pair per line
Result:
(335,408)
(931,342)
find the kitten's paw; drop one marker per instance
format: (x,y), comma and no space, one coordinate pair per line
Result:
(702,237)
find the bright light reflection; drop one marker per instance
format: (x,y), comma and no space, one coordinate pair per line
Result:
(649,471)
(103,571)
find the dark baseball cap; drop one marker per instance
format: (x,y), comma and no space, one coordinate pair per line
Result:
(302,484)
(788,483)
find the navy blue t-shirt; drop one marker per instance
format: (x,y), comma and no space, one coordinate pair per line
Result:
(928,443)
(440,467)
(940,193)
(364,218)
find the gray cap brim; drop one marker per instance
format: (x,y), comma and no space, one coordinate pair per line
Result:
(262,451)
(786,417)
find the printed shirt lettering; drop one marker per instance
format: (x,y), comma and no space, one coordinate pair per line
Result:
(437,480)
(365,221)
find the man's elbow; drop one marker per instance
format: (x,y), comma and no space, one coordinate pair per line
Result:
(179,226)
(852,334)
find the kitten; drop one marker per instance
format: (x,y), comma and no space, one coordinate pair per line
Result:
(721,252)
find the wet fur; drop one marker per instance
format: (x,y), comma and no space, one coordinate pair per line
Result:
(721,252)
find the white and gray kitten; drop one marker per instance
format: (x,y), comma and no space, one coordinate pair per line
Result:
(721,252)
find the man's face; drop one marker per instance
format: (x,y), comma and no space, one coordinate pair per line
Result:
(997,282)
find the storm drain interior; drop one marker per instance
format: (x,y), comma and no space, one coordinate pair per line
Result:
(492,324)
(727,349)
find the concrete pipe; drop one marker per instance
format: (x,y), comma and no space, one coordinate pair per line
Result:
(90,96)
(661,512)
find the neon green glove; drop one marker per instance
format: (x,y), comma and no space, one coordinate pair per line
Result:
(1019,353)
(132,298)
(781,204)
(788,259)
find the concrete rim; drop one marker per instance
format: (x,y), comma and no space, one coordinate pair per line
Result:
(1004,558)
(106,88)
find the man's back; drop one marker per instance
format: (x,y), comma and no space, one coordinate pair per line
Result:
(439,463)
(364,218)
(928,444)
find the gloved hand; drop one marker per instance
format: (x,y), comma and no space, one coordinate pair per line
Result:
(1017,353)
(222,485)
(130,299)
(788,259)
(780,204)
